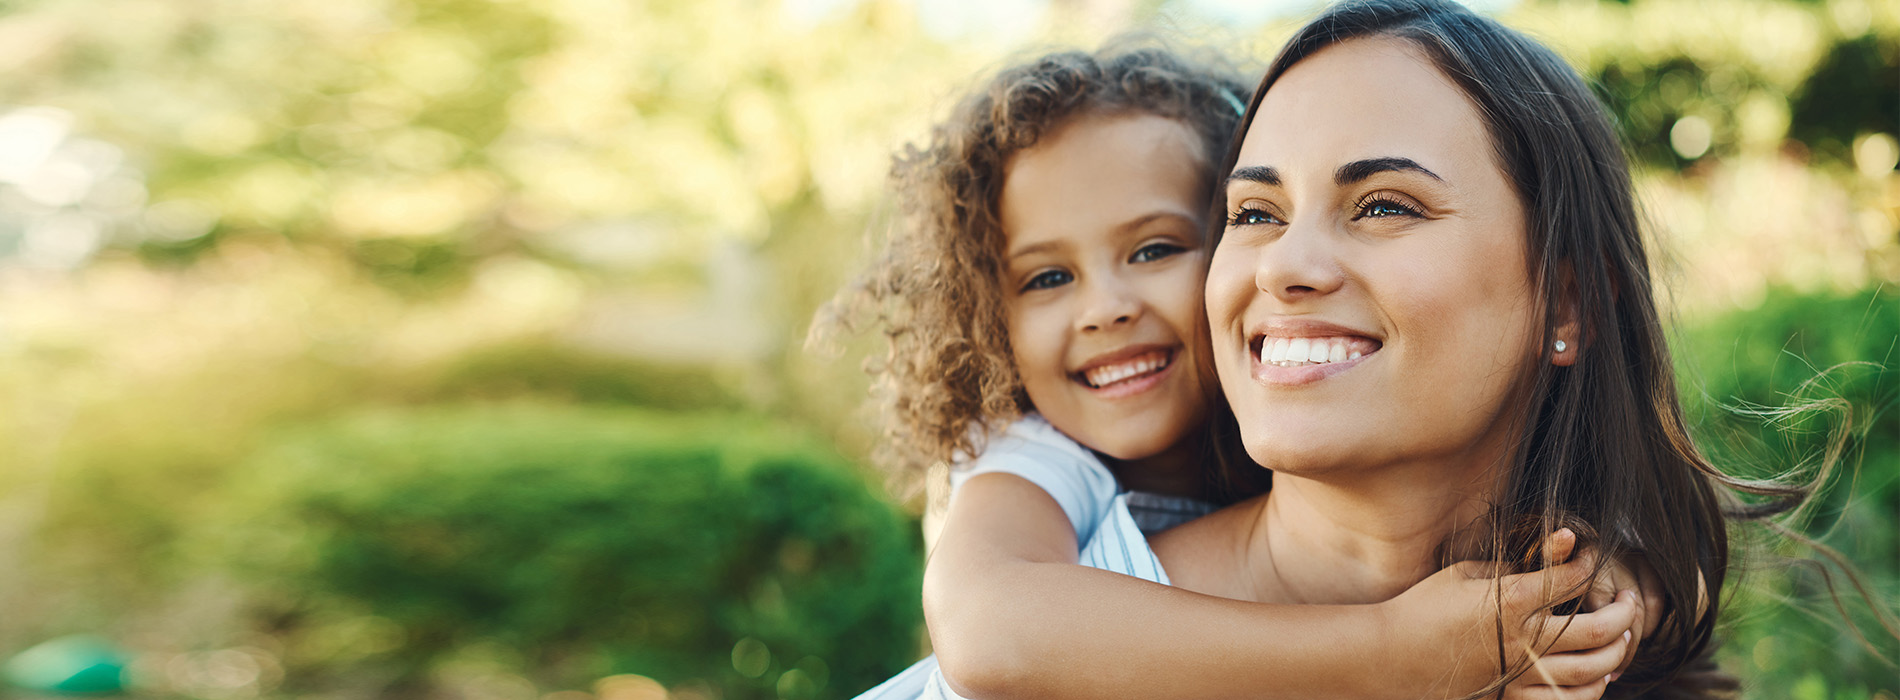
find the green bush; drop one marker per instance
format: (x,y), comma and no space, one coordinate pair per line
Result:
(398,549)
(550,370)
(1840,357)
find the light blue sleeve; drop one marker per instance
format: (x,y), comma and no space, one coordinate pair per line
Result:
(1070,473)
(911,684)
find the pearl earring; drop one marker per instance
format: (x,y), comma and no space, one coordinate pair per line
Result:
(1561,346)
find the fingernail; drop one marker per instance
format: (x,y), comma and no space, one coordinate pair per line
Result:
(1612,677)
(1626,637)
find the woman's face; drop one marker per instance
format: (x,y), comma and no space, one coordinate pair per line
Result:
(1369,301)
(1102,278)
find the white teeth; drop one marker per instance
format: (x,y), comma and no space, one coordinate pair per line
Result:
(1299,349)
(1104,376)
(1298,352)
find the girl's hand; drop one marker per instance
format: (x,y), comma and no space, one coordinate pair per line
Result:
(1446,630)
(1629,574)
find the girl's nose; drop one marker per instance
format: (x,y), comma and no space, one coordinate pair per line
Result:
(1108,302)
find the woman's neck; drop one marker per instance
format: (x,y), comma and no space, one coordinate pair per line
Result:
(1359,538)
(1323,541)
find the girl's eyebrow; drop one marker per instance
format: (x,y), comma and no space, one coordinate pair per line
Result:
(1121,229)
(1031,249)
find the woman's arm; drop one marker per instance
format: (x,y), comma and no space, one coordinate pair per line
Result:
(1012,615)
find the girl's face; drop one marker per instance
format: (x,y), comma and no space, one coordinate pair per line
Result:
(1102,274)
(1370,301)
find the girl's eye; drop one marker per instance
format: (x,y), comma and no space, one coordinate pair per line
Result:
(1251,216)
(1048,279)
(1156,251)
(1382,208)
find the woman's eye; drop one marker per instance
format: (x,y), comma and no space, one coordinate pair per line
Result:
(1048,279)
(1156,251)
(1381,208)
(1248,216)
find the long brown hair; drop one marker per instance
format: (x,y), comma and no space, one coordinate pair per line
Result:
(1605,441)
(948,374)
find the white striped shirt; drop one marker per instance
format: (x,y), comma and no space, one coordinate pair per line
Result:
(1118,546)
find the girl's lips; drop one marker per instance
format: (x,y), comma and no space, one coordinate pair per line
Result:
(1131,387)
(1127,373)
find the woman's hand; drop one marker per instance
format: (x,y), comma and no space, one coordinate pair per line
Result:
(1446,630)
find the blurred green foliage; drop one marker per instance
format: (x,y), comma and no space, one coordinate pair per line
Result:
(549,370)
(1770,391)
(569,544)
(371,385)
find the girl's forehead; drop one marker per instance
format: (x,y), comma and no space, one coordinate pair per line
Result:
(1099,172)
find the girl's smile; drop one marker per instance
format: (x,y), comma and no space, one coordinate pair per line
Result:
(1127,372)
(1103,263)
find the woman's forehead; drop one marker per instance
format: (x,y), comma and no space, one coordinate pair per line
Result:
(1376,97)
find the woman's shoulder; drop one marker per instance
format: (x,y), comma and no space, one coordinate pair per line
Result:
(1202,555)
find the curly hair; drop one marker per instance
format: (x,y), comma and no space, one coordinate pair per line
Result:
(948,375)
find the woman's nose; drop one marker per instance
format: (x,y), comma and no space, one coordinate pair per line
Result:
(1302,263)
(1107,302)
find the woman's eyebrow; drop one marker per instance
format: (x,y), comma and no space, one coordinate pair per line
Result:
(1362,169)
(1255,173)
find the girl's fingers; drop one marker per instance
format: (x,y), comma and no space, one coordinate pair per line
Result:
(1558,545)
(1592,629)
(1579,667)
(1531,592)
(1589,691)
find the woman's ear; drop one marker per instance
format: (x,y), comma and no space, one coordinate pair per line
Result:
(1567,334)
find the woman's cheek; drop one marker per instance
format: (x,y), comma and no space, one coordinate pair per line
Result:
(1228,288)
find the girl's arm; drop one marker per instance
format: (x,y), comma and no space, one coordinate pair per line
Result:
(1012,615)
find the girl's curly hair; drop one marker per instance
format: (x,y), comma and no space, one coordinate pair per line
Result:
(948,376)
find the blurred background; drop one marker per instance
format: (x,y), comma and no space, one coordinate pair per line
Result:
(454,348)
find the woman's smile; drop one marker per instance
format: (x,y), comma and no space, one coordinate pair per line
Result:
(1294,352)
(1370,295)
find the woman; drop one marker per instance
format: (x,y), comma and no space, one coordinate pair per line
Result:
(1443,200)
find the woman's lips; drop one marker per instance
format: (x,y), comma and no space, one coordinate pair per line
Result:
(1292,361)
(1296,352)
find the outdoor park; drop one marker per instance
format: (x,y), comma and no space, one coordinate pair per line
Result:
(456,348)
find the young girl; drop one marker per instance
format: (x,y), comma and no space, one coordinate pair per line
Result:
(1043,304)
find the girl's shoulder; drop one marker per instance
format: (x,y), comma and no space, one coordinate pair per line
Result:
(1027,442)
(1033,449)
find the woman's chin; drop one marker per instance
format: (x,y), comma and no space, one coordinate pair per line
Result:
(1294,458)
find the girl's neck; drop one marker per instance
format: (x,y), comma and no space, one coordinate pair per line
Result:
(1175,471)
